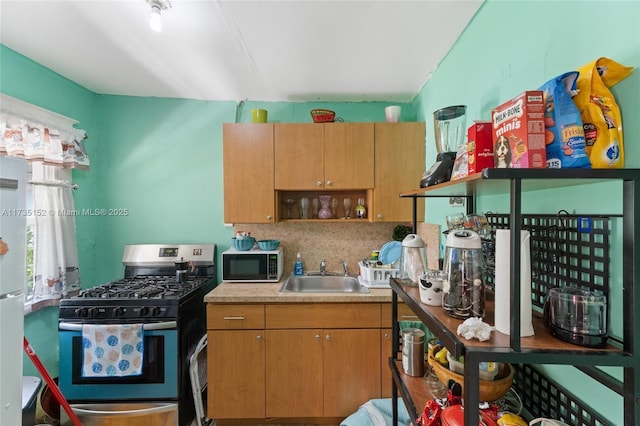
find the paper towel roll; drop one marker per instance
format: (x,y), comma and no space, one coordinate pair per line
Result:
(503,283)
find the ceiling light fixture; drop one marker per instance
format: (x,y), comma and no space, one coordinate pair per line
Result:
(155,19)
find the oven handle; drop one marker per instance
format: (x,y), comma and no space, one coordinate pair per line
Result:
(124,413)
(166,325)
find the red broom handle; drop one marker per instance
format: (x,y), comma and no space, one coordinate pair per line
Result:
(52,385)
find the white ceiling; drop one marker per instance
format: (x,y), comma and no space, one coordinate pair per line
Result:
(240,50)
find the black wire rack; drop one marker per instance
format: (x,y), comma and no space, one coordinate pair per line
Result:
(543,397)
(566,250)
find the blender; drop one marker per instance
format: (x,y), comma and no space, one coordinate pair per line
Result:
(449,127)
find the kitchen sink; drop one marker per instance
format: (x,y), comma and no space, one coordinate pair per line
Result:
(322,284)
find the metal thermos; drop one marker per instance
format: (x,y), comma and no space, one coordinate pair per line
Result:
(413,351)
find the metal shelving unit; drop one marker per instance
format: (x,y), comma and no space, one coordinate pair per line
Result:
(541,348)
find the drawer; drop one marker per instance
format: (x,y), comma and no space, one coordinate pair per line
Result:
(323,315)
(235,317)
(404,314)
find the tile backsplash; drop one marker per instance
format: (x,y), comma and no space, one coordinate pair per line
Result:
(334,242)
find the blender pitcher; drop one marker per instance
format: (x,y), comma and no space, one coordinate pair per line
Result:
(449,125)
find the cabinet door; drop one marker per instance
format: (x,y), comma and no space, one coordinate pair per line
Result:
(249,195)
(299,156)
(399,164)
(348,153)
(294,373)
(351,369)
(385,353)
(236,374)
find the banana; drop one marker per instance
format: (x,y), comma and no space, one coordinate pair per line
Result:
(441,356)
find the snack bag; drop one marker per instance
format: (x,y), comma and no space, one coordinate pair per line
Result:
(600,112)
(564,134)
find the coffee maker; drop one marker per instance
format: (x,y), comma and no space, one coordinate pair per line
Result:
(449,125)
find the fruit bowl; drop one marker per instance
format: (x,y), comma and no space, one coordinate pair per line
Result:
(268,244)
(490,390)
(243,244)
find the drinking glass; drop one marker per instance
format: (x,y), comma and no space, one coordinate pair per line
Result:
(304,207)
(314,203)
(334,207)
(347,208)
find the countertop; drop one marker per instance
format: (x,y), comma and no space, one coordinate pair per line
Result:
(230,292)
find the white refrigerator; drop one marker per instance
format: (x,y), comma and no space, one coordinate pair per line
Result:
(13,223)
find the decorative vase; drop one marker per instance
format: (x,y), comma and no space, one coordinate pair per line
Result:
(325,211)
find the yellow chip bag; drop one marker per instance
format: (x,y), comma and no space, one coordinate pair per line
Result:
(600,113)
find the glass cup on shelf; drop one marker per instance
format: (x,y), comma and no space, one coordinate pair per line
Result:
(347,208)
(304,208)
(334,207)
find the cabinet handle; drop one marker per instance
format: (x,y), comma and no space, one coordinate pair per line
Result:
(240,318)
(319,183)
(327,337)
(329,183)
(379,216)
(317,336)
(409,317)
(259,338)
(387,336)
(269,217)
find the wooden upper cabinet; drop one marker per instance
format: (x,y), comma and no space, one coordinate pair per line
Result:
(328,156)
(399,163)
(348,155)
(249,195)
(299,156)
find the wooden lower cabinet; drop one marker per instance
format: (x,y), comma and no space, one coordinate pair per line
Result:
(236,374)
(350,364)
(309,361)
(294,373)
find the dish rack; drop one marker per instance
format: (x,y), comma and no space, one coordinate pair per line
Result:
(377,277)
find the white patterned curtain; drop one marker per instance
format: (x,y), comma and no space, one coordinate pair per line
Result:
(56,254)
(33,133)
(53,146)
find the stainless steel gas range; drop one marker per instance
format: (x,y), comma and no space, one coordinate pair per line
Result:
(162,290)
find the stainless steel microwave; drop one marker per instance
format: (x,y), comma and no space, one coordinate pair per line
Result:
(253,265)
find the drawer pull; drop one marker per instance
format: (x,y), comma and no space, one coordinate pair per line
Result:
(240,318)
(408,317)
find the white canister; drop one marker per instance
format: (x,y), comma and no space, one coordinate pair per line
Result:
(431,288)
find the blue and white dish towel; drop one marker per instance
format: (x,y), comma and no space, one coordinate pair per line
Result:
(112,350)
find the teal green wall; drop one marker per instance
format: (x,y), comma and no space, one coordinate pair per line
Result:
(26,80)
(513,46)
(155,157)
(161,159)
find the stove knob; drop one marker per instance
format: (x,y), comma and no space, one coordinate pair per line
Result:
(92,312)
(81,312)
(144,311)
(118,311)
(156,311)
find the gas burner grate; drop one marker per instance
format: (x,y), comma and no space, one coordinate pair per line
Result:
(143,287)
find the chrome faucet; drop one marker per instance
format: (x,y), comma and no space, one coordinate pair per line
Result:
(323,267)
(346,268)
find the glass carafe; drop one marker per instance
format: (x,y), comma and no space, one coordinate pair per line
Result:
(463,281)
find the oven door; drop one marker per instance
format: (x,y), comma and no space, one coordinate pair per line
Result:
(159,378)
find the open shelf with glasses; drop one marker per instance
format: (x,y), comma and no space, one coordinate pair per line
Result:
(542,348)
(290,205)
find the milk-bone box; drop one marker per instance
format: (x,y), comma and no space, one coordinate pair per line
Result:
(518,132)
(479,146)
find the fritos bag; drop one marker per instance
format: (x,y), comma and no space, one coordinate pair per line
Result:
(564,133)
(600,112)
